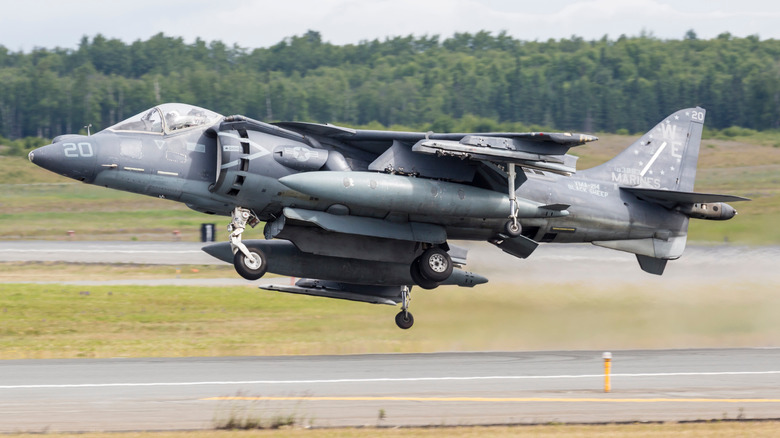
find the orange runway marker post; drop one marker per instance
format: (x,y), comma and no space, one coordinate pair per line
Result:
(607,370)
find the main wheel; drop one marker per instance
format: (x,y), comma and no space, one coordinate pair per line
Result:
(419,280)
(404,320)
(512,228)
(435,264)
(250,268)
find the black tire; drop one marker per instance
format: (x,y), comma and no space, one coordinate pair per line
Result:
(251,269)
(435,264)
(512,228)
(404,320)
(419,280)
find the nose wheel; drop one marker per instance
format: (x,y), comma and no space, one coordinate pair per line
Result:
(252,267)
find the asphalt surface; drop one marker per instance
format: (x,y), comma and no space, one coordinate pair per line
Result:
(418,389)
(151,253)
(390,390)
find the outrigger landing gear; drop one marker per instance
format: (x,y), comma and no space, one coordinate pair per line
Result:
(250,264)
(512,227)
(404,318)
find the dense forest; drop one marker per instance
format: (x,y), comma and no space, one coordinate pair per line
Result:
(476,81)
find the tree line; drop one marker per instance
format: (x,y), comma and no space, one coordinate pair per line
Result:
(467,82)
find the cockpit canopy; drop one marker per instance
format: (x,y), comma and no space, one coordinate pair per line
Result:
(168,118)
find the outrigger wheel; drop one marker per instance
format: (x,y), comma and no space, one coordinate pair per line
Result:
(512,228)
(404,318)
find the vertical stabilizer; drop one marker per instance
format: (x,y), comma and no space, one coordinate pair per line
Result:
(664,158)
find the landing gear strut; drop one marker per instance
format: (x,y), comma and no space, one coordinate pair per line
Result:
(512,227)
(250,264)
(404,318)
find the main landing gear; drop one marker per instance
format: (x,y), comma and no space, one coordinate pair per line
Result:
(432,267)
(404,318)
(249,263)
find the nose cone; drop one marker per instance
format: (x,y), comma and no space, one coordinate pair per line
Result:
(71,159)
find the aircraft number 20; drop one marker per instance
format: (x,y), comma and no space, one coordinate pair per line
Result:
(698,115)
(75,150)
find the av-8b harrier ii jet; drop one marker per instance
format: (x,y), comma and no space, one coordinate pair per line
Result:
(366,215)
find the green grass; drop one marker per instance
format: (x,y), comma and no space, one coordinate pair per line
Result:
(11,272)
(36,204)
(47,321)
(92,224)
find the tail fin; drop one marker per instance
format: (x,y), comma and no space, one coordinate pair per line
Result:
(662,161)
(664,158)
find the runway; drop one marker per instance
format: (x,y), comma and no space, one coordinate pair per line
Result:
(395,390)
(388,390)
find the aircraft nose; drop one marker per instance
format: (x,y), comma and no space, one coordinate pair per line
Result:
(73,160)
(46,157)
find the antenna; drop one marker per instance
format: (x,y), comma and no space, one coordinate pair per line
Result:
(87,128)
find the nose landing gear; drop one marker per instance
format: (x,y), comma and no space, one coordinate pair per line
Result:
(249,263)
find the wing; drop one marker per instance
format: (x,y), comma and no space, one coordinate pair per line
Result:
(453,156)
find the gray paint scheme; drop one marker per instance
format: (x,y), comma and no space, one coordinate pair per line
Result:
(357,209)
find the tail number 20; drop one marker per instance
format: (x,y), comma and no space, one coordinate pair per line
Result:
(75,150)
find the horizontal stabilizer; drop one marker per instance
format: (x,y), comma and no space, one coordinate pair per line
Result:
(670,198)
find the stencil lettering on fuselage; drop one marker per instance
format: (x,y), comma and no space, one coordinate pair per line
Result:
(586,187)
(628,176)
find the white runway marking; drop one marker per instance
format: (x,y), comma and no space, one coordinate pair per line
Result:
(378,380)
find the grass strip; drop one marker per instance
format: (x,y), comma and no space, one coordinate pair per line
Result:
(61,321)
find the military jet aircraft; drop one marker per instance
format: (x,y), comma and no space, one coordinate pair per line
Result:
(366,215)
